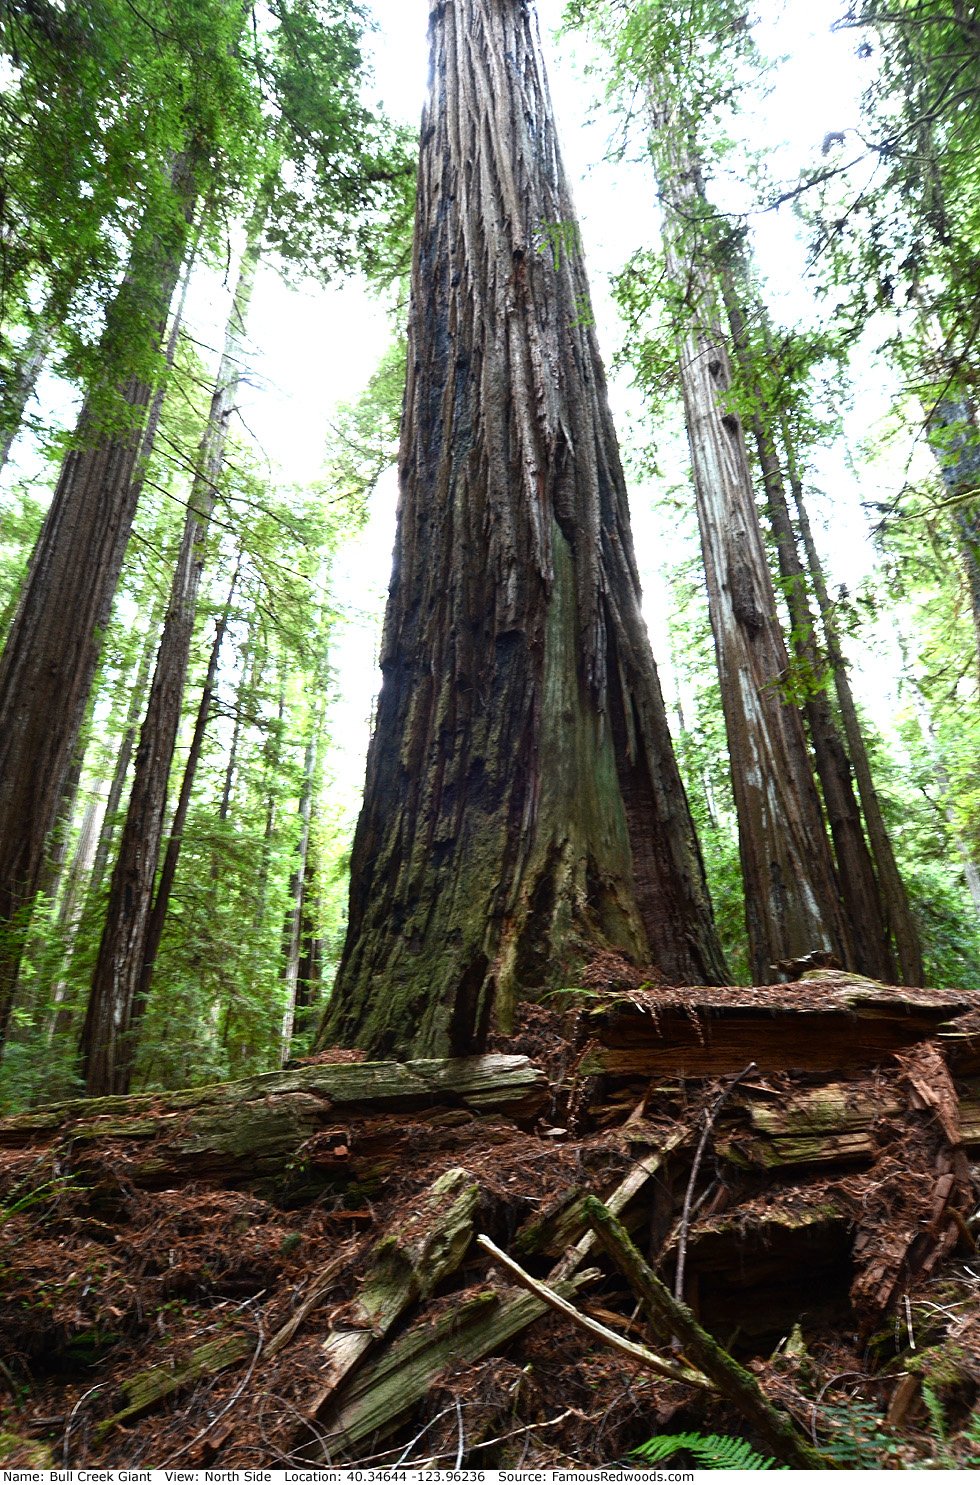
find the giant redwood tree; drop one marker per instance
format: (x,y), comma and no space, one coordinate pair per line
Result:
(523,803)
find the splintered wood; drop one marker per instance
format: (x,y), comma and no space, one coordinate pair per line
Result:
(352,1208)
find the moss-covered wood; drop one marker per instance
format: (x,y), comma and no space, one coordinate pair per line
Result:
(143,1391)
(387,1388)
(253,1127)
(661,1367)
(406,1265)
(670,1318)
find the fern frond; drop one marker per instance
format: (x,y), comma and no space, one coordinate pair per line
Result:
(712,1451)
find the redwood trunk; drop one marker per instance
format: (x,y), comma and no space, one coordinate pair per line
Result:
(293,929)
(28,370)
(523,802)
(859,886)
(52,648)
(161,902)
(898,912)
(792,901)
(108,1037)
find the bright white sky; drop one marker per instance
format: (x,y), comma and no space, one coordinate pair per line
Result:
(315,348)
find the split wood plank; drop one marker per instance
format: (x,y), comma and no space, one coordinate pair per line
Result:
(387,1388)
(147,1388)
(406,1265)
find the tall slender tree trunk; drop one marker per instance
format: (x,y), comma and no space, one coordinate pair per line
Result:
(161,902)
(107,1047)
(859,885)
(954,437)
(523,802)
(52,648)
(792,901)
(309,971)
(971,871)
(29,368)
(137,700)
(293,932)
(898,912)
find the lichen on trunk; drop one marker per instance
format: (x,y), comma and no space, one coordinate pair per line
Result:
(523,803)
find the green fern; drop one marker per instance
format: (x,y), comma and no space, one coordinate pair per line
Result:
(712,1451)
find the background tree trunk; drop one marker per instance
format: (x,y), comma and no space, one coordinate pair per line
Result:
(859,885)
(898,912)
(108,1038)
(523,801)
(29,368)
(792,902)
(161,902)
(52,648)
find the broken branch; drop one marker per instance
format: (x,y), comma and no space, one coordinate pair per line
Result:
(668,1316)
(647,1359)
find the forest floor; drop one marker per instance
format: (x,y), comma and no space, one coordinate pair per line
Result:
(284,1270)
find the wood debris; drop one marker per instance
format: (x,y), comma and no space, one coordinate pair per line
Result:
(297,1267)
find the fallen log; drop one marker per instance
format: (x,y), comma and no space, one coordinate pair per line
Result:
(669,1317)
(148,1388)
(826,1021)
(249,1129)
(406,1265)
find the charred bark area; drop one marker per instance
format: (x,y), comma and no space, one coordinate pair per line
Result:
(494,846)
(52,650)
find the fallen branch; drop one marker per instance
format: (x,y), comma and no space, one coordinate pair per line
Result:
(709,1125)
(320,1287)
(672,1318)
(669,1369)
(634,1182)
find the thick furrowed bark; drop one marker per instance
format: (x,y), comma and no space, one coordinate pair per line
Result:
(792,900)
(109,1035)
(522,799)
(859,886)
(52,649)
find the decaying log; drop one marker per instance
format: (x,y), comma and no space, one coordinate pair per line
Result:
(828,1020)
(147,1388)
(404,1266)
(385,1389)
(669,1317)
(246,1129)
(674,1371)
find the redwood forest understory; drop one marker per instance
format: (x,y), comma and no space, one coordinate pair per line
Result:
(577,1061)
